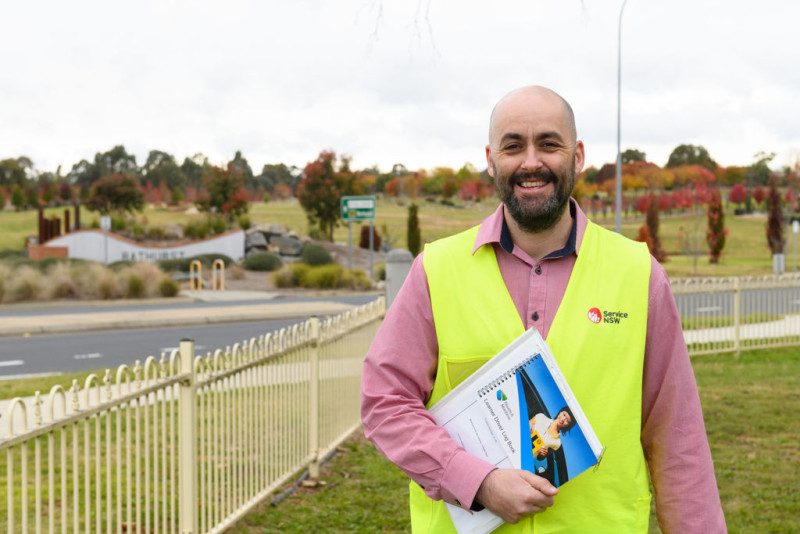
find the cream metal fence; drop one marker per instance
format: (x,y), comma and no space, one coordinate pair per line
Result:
(739,313)
(186,443)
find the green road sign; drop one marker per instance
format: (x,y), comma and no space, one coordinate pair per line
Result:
(361,208)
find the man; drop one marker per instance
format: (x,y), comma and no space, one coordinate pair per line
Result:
(537,262)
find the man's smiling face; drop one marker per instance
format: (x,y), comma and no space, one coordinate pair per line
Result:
(533,156)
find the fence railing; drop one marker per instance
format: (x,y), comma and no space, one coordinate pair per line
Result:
(739,313)
(189,443)
(184,443)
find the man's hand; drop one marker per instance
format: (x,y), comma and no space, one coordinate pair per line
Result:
(514,494)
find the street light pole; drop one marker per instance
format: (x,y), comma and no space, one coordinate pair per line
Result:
(619,107)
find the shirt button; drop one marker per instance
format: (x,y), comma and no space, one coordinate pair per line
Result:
(535,316)
(538,269)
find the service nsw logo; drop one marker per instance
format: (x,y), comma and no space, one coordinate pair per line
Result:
(606,316)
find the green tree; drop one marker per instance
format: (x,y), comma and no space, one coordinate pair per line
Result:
(320,192)
(116,161)
(161,167)
(467,173)
(759,173)
(225,192)
(274,174)
(116,192)
(83,174)
(413,231)
(32,196)
(14,171)
(17,197)
(194,169)
(239,164)
(632,155)
(691,155)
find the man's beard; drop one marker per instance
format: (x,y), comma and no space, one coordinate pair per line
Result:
(546,215)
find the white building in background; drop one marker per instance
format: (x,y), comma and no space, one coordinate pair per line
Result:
(97,245)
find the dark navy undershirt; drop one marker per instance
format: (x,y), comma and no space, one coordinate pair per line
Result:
(569,247)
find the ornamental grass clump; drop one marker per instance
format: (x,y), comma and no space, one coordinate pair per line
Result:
(24,284)
(60,282)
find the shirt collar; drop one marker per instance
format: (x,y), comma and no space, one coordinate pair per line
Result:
(495,230)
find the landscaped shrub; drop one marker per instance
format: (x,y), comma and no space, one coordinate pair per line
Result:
(137,231)
(290,276)
(244,222)
(355,279)
(168,287)
(364,240)
(330,276)
(136,287)
(172,265)
(217,224)
(61,282)
(196,229)
(5,273)
(262,261)
(96,282)
(323,276)
(380,271)
(314,254)
(24,284)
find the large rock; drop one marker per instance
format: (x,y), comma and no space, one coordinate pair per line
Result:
(286,245)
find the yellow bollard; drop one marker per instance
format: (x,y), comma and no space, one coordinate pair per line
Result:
(196,274)
(218,271)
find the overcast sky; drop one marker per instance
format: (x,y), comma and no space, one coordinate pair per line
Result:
(393,80)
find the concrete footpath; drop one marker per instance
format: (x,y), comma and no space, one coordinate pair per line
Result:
(134,317)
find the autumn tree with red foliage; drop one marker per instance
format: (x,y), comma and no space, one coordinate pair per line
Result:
(738,194)
(759,194)
(775,238)
(224,192)
(650,229)
(716,232)
(321,190)
(363,241)
(116,192)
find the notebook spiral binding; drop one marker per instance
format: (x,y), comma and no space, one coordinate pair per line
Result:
(505,376)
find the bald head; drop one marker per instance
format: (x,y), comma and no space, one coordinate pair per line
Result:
(531,98)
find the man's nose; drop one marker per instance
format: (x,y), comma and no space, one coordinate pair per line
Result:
(532,161)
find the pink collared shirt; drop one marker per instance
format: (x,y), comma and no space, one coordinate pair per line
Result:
(400,369)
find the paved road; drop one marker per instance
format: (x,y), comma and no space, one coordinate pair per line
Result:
(107,349)
(72,337)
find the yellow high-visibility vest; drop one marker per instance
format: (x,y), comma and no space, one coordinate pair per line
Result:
(597,337)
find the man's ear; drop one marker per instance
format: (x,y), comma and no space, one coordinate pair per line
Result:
(580,157)
(490,168)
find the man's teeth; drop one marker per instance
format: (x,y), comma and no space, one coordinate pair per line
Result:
(538,183)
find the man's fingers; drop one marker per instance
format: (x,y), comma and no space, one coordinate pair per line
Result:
(541,484)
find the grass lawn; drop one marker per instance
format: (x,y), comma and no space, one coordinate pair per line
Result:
(745,252)
(749,411)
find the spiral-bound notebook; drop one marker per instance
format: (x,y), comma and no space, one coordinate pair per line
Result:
(517,411)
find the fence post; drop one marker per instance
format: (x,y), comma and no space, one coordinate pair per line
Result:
(398,263)
(313,415)
(737,309)
(187,442)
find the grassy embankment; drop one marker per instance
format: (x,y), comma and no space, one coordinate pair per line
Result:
(747,405)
